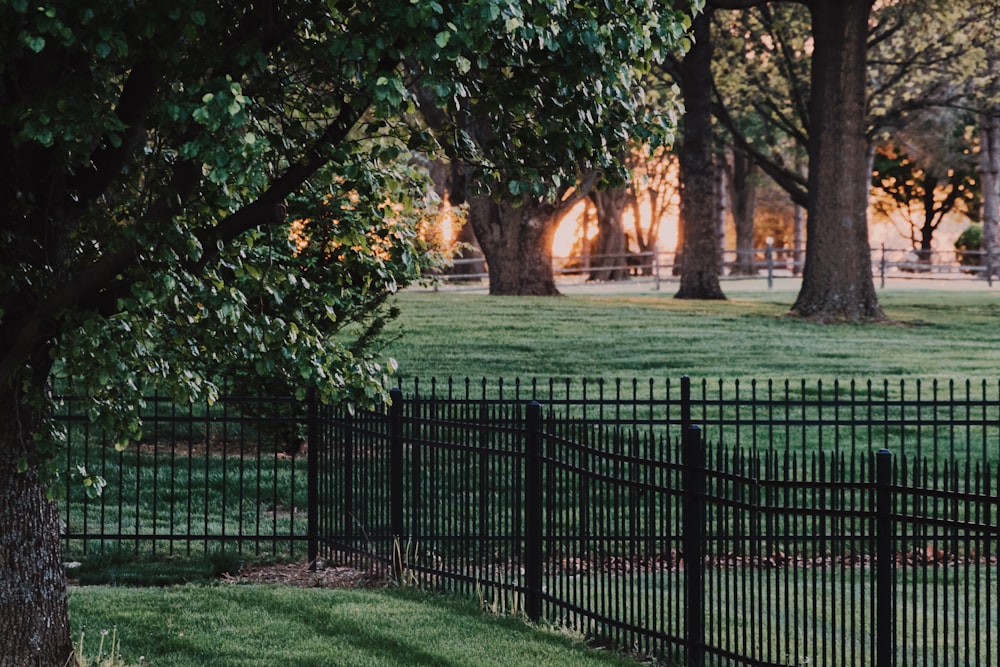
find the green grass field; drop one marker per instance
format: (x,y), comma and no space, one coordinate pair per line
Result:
(945,333)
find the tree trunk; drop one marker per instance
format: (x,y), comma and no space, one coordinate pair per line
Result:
(989,173)
(837,280)
(743,193)
(798,239)
(700,263)
(471,253)
(34,622)
(721,209)
(610,254)
(517,243)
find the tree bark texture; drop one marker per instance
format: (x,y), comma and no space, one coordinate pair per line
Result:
(34,622)
(610,253)
(699,211)
(743,193)
(517,243)
(798,239)
(989,173)
(837,279)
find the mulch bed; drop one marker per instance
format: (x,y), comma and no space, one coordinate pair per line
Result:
(299,575)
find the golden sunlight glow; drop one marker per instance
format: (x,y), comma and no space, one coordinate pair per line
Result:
(297,235)
(655,182)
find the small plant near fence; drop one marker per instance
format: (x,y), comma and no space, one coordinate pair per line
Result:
(108,652)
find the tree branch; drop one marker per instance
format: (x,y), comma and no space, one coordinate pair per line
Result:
(737,4)
(791,182)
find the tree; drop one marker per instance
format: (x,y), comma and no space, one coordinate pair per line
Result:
(837,279)
(700,215)
(610,247)
(151,155)
(925,174)
(654,182)
(516,238)
(989,172)
(743,194)
(922,54)
(576,71)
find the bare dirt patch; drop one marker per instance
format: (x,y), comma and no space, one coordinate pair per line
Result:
(300,575)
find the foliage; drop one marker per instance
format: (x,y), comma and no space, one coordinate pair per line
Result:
(569,72)
(968,244)
(155,173)
(928,173)
(927,54)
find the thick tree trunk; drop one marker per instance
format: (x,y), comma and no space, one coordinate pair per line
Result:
(517,243)
(837,280)
(699,212)
(989,173)
(743,193)
(610,251)
(34,623)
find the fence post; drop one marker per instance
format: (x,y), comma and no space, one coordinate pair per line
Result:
(312,488)
(881,269)
(885,575)
(533,512)
(656,269)
(396,480)
(685,403)
(693,483)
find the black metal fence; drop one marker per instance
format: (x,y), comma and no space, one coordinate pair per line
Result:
(228,475)
(743,523)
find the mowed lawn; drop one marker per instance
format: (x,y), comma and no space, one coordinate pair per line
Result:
(937,330)
(248,626)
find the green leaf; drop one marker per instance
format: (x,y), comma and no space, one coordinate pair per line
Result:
(34,42)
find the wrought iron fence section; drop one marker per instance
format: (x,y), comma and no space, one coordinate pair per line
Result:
(750,523)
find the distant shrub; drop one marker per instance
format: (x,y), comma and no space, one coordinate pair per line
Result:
(968,244)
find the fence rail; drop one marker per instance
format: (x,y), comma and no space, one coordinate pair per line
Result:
(770,262)
(742,524)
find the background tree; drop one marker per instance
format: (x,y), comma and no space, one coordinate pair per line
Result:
(609,250)
(654,184)
(921,55)
(989,174)
(151,152)
(576,72)
(928,172)
(743,195)
(700,216)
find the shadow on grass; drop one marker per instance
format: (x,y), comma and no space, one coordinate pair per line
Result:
(228,625)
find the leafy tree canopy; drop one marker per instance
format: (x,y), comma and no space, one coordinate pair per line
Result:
(152,153)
